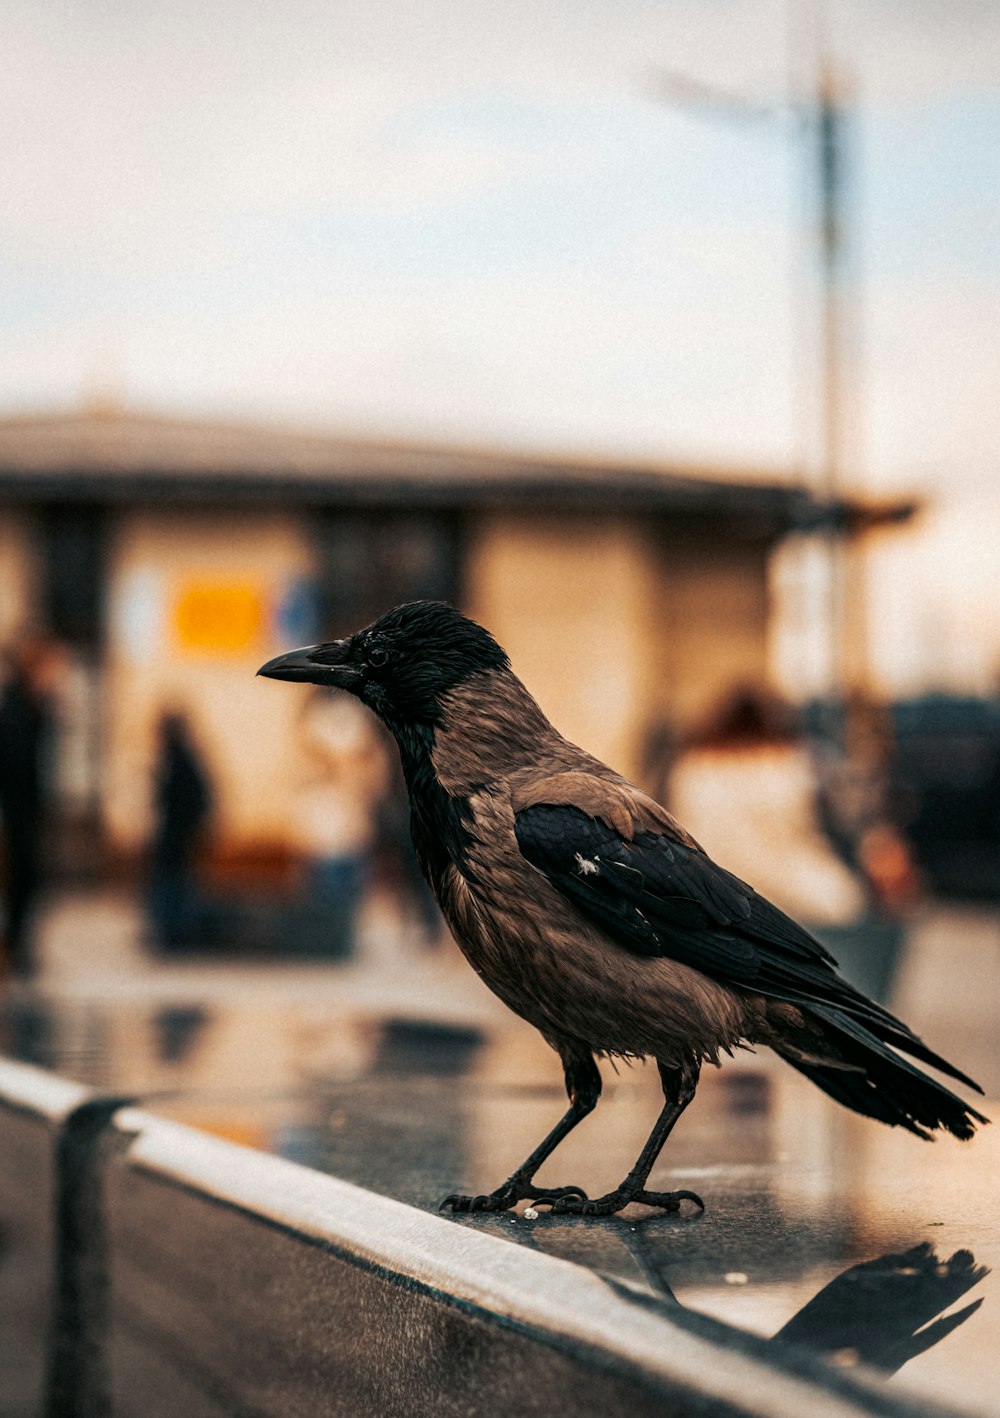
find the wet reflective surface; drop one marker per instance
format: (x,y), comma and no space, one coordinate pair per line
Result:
(821,1230)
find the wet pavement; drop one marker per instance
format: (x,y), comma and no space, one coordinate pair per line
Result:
(821,1229)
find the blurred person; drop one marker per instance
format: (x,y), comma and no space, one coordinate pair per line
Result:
(344,784)
(27,723)
(750,791)
(747,788)
(182,803)
(856,795)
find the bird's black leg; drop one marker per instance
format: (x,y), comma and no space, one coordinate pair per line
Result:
(583,1084)
(679,1086)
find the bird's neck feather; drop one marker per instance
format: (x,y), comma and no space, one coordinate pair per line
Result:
(489,727)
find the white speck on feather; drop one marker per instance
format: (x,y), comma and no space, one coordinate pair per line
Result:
(587,866)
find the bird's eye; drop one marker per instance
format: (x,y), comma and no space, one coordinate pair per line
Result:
(378,656)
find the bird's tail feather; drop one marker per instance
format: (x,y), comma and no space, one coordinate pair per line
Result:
(864,1074)
(887,1028)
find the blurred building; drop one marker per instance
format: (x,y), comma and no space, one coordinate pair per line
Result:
(173,557)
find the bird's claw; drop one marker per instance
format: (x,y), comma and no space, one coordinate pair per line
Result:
(616,1201)
(552,1196)
(669,1201)
(508,1196)
(489,1201)
(587,1206)
(567,1201)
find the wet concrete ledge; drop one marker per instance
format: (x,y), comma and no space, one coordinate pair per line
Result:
(174,1273)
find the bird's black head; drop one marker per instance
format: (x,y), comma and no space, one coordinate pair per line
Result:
(402,664)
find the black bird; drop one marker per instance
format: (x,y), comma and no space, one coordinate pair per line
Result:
(594,915)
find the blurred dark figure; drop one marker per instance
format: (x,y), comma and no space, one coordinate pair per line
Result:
(882,1312)
(27,722)
(748,787)
(182,804)
(860,808)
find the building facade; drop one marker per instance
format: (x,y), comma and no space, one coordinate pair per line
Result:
(173,557)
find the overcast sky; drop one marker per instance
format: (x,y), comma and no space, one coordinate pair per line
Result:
(481,221)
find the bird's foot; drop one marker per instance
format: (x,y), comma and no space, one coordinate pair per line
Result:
(621,1197)
(509,1195)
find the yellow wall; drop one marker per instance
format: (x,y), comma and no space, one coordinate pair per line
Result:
(192,607)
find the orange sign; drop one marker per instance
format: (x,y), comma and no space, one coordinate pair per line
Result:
(219,615)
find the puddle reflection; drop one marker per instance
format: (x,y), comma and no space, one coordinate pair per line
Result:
(881,1313)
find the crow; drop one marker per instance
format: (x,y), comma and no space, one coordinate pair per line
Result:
(595,916)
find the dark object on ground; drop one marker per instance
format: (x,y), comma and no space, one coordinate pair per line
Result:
(422,1047)
(321,925)
(182,803)
(594,915)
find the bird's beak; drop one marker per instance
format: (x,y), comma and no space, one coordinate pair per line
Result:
(315,664)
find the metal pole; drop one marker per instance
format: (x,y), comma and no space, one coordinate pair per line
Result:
(830,166)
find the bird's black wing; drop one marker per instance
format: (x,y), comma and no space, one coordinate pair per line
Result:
(656,896)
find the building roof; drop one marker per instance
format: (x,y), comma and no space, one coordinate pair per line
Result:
(115,456)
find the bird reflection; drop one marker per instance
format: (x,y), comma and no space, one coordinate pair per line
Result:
(882,1312)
